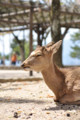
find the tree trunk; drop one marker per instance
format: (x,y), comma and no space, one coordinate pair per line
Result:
(21,45)
(39,39)
(22,51)
(55,29)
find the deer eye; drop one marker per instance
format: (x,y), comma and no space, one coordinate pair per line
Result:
(38,55)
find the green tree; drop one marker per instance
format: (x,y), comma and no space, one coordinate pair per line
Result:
(7,56)
(75,53)
(0,56)
(17,49)
(26,49)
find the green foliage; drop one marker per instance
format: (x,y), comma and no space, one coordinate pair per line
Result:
(16,48)
(7,56)
(76,48)
(26,49)
(0,56)
(75,37)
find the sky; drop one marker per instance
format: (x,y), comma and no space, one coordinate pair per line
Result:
(67,43)
(66,48)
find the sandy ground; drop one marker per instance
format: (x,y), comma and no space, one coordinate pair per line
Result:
(18,75)
(33,101)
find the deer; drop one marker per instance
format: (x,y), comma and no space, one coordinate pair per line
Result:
(63,82)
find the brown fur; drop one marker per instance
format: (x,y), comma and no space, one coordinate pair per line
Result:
(65,83)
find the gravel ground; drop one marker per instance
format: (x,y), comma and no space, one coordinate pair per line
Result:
(33,101)
(18,75)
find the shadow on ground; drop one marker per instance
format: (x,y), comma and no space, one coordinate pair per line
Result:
(62,107)
(57,107)
(21,101)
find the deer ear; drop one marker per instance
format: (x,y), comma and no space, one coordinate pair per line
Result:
(56,46)
(49,44)
(44,50)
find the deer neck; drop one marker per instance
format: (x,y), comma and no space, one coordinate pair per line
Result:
(54,78)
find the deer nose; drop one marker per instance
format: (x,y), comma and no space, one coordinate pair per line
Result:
(22,65)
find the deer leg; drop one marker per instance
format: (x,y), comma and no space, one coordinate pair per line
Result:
(76,102)
(56,100)
(73,98)
(67,99)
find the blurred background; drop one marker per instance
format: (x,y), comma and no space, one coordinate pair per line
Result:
(24,24)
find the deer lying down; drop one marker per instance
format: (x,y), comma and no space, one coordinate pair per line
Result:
(65,83)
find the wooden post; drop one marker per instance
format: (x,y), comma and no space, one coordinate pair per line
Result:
(31,37)
(39,40)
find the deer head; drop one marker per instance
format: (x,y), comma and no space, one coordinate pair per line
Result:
(40,58)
